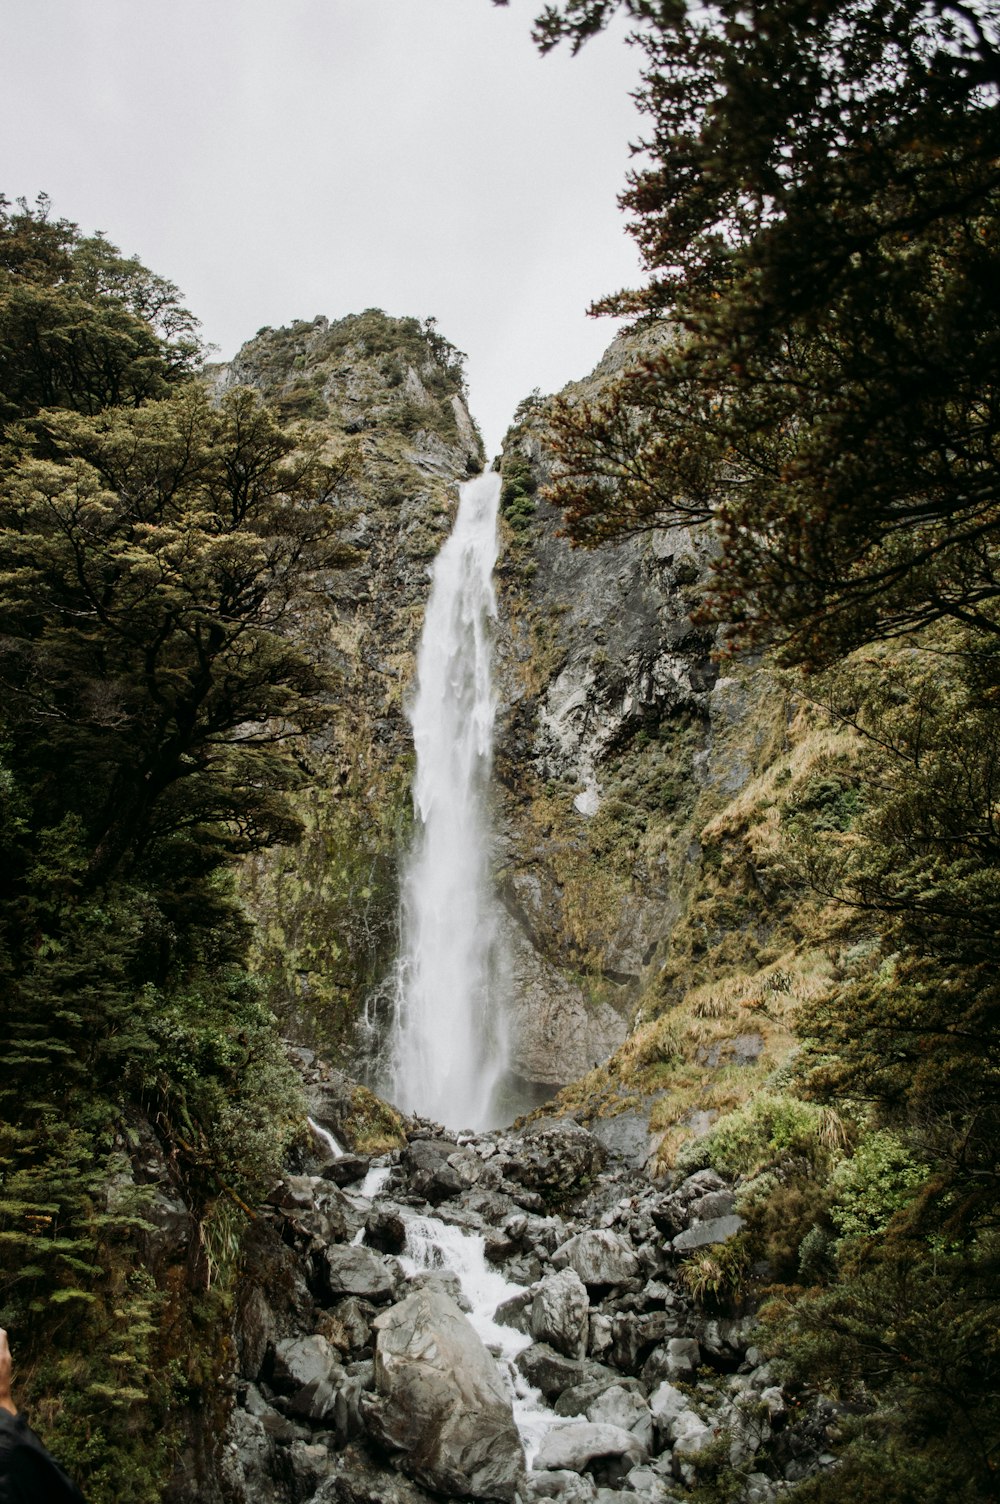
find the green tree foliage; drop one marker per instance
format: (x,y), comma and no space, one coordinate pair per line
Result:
(154,550)
(80,325)
(817,209)
(150,563)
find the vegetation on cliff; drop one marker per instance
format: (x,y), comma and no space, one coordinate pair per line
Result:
(817,207)
(153,548)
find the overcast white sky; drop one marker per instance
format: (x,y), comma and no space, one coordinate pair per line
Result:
(283,158)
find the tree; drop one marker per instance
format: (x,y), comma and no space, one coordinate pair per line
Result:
(156,549)
(80,325)
(817,209)
(151,563)
(816,376)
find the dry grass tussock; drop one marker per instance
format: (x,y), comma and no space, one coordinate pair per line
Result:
(814,745)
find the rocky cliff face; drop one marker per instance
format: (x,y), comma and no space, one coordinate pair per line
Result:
(639,779)
(657,948)
(622,736)
(386,397)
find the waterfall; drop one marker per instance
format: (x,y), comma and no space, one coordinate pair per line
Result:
(447,1048)
(326,1138)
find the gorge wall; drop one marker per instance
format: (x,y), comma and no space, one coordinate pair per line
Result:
(386,396)
(637,775)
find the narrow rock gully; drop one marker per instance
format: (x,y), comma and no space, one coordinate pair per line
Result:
(497,1315)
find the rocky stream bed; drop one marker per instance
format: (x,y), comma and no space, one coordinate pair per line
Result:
(496,1316)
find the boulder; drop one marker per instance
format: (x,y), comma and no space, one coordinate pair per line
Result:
(633,1337)
(567,1488)
(467,1166)
(385,1230)
(551,1372)
(712,1204)
(294,1192)
(347,1169)
(625,1409)
(516,1312)
(577,1445)
(555,1155)
(683,1357)
(446,1281)
(431,1176)
(358,1271)
(559,1313)
(665,1404)
(440,1402)
(321,1391)
(649,1486)
(599,1256)
(690,1434)
(703,1234)
(349,1325)
(303,1360)
(316,1207)
(575,1401)
(626,1137)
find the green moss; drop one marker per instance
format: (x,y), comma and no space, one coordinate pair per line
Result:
(373,1127)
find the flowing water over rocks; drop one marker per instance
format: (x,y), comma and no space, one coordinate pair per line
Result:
(498,1316)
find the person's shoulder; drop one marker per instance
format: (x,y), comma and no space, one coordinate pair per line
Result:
(13,1429)
(28,1471)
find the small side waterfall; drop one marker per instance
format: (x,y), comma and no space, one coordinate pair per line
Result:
(448,1050)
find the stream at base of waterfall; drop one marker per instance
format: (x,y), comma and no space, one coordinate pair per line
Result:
(448,1051)
(433,1245)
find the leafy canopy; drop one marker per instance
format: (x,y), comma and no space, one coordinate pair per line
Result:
(816,205)
(81,326)
(156,549)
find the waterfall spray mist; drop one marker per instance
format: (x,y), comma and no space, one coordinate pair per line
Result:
(448,1048)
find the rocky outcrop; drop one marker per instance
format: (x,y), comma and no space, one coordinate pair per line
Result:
(440,1403)
(384,398)
(606,734)
(348,1396)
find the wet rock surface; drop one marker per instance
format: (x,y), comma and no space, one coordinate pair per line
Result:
(440,1403)
(361,1377)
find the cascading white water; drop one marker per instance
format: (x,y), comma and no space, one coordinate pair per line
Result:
(434,1245)
(326,1138)
(447,1048)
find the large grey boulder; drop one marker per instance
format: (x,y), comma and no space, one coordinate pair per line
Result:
(560,1313)
(599,1256)
(431,1176)
(566,1487)
(359,1271)
(683,1357)
(516,1312)
(440,1402)
(320,1389)
(303,1360)
(552,1372)
(666,1403)
(704,1234)
(576,1445)
(625,1409)
(555,1155)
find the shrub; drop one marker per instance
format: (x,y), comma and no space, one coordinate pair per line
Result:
(875,1183)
